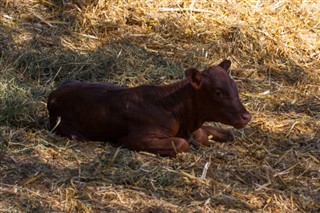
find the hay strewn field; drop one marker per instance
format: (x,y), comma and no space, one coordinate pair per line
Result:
(274,163)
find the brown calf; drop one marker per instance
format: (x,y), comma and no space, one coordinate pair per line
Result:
(157,119)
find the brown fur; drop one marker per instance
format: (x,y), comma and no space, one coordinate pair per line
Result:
(157,119)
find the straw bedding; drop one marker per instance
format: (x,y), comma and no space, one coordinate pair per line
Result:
(274,163)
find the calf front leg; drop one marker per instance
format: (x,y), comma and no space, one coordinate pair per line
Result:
(217,134)
(170,146)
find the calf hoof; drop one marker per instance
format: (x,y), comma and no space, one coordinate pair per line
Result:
(218,134)
(194,143)
(225,136)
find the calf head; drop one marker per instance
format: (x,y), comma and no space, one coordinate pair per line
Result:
(217,96)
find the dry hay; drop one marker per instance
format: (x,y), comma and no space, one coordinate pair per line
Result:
(273,166)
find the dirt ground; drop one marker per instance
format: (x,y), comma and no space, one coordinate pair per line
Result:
(272,166)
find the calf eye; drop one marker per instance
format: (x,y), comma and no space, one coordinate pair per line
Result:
(219,93)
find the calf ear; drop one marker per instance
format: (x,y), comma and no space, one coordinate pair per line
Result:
(225,64)
(195,78)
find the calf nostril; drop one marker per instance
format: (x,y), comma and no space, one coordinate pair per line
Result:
(246,116)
